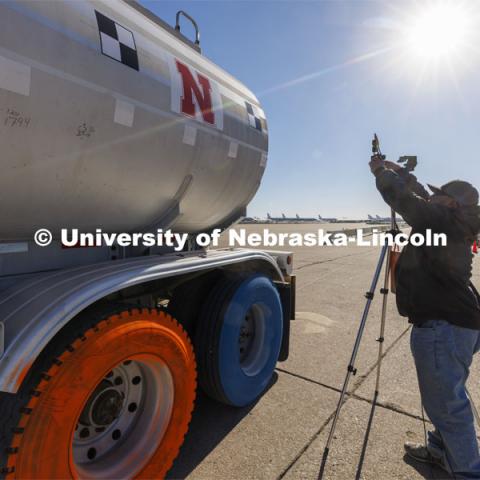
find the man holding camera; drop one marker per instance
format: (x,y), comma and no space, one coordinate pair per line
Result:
(434,291)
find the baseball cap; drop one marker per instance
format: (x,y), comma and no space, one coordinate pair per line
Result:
(463,193)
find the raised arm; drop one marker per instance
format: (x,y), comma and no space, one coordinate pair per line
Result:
(405,195)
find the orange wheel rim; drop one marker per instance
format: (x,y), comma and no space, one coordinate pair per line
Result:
(134,400)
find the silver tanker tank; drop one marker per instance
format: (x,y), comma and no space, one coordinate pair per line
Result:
(109,118)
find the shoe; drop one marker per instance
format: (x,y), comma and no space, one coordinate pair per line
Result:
(420,452)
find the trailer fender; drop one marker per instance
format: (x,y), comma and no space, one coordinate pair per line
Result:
(33,312)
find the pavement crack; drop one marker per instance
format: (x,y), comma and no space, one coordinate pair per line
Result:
(306,379)
(386,405)
(389,406)
(319,262)
(307,445)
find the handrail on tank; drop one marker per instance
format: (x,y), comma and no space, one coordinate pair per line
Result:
(194,23)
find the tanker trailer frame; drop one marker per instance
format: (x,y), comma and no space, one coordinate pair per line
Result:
(113,119)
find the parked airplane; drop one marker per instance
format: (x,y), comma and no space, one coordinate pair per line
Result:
(306,219)
(377,219)
(381,220)
(283,218)
(296,219)
(250,220)
(328,220)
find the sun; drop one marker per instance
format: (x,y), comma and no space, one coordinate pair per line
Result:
(438,31)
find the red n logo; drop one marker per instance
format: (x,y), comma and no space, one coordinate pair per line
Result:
(201,91)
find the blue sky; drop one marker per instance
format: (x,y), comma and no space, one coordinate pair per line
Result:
(321,125)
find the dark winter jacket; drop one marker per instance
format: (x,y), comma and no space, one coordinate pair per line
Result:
(434,282)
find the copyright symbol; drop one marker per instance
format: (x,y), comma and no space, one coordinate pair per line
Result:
(43,237)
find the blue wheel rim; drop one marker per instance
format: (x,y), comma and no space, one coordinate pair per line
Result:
(244,379)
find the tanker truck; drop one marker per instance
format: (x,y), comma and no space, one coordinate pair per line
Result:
(113,119)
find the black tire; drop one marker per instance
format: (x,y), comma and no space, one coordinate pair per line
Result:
(10,411)
(188,299)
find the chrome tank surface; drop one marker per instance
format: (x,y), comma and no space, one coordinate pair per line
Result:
(108,120)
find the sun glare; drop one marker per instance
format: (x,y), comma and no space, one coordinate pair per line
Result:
(438,31)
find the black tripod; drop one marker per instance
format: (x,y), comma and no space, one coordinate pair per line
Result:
(385,254)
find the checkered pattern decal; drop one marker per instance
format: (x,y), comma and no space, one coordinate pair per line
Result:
(254,118)
(117,42)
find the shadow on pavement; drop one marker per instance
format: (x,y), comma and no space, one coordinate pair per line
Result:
(358,475)
(211,423)
(427,471)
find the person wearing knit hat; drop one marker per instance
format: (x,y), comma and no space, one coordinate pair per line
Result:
(434,291)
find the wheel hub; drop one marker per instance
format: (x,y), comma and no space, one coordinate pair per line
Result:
(124,419)
(246,337)
(110,412)
(107,407)
(251,340)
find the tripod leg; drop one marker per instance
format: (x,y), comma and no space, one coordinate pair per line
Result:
(384,291)
(351,366)
(380,339)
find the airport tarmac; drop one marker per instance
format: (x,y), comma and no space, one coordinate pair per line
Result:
(284,433)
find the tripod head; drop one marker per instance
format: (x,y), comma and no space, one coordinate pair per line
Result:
(409,162)
(376,147)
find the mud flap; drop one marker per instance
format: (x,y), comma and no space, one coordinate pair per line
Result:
(287,297)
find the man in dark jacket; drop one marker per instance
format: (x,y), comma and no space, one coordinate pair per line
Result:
(435,293)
